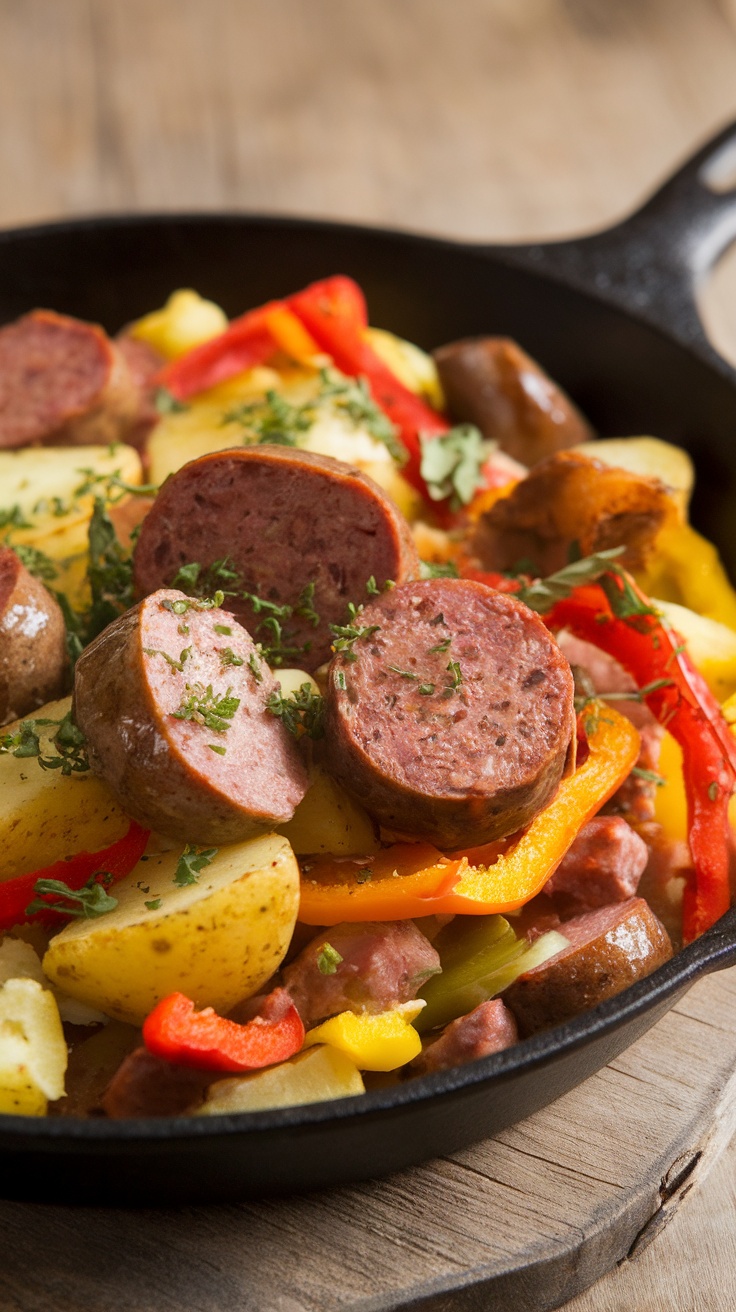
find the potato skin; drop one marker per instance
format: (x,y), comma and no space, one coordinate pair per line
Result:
(217,940)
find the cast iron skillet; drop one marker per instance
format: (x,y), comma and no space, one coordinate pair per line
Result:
(613,318)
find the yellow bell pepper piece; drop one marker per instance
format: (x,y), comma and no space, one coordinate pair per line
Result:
(374,1043)
(687,569)
(186,320)
(670,803)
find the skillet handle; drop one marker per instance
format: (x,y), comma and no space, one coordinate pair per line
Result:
(653,263)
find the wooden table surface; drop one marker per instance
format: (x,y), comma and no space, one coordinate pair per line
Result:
(488,119)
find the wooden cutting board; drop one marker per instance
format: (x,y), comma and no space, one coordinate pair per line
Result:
(520,1223)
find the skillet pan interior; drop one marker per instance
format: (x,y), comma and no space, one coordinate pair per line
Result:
(629,377)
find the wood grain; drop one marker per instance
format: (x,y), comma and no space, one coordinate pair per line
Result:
(487,119)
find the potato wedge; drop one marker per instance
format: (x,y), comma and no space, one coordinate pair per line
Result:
(33,1051)
(46,815)
(217,940)
(315,1076)
(43,482)
(328,820)
(185,321)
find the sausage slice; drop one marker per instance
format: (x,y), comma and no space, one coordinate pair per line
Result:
(452,720)
(609,949)
(33,660)
(284,520)
(489,1028)
(172,700)
(62,381)
(491,382)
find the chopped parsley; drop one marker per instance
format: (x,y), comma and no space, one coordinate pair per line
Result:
(191,863)
(223,629)
(441,646)
(445,569)
(229,657)
(36,562)
(328,959)
(204,706)
(69,741)
(451,465)
(404,674)
(175,664)
(181,605)
(12,517)
(154,904)
(649,776)
(84,903)
(168,404)
(364,876)
(346,634)
(216,747)
(255,668)
(301,713)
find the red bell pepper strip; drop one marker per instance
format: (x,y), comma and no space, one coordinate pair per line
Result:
(341,335)
(116,860)
(250,340)
(652,652)
(208,1042)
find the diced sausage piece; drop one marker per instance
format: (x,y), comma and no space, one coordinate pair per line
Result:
(145,1085)
(572,498)
(172,700)
(604,865)
(33,660)
(143,364)
(454,720)
(382,965)
(286,521)
(609,949)
(491,382)
(606,675)
(635,799)
(62,381)
(489,1028)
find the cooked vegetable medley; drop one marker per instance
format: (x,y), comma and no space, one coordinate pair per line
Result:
(362,710)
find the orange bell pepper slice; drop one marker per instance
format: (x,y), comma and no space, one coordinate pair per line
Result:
(414,879)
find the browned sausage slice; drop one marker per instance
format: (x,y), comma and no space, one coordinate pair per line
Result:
(571,498)
(33,660)
(284,519)
(173,706)
(453,720)
(62,380)
(609,949)
(491,382)
(604,865)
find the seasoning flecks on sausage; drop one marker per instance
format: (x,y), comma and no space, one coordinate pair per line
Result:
(608,949)
(62,381)
(491,382)
(452,718)
(33,659)
(285,520)
(172,700)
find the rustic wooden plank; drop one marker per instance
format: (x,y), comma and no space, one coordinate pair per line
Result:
(487,119)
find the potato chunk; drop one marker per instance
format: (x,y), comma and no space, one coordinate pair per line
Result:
(46,815)
(217,940)
(314,1076)
(33,1052)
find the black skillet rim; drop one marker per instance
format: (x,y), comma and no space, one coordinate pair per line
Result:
(683,969)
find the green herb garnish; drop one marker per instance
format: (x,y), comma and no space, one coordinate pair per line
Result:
(84,903)
(191,863)
(204,706)
(328,959)
(301,713)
